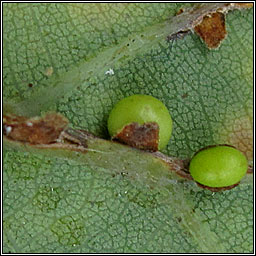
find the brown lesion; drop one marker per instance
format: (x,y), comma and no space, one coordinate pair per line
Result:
(145,136)
(206,19)
(52,132)
(38,130)
(212,29)
(49,131)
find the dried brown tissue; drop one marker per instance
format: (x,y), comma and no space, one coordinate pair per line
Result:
(210,26)
(145,136)
(51,131)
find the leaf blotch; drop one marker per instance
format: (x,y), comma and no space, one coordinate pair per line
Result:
(145,136)
(38,130)
(212,29)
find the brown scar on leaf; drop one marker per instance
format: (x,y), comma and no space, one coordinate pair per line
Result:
(145,136)
(71,139)
(48,132)
(206,19)
(37,130)
(52,132)
(212,29)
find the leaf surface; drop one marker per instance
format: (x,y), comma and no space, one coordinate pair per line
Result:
(56,58)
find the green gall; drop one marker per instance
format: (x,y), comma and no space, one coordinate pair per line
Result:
(218,166)
(141,121)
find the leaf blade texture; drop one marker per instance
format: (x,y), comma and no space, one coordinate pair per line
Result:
(56,58)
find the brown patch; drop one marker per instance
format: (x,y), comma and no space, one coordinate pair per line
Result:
(144,136)
(243,5)
(207,19)
(30,85)
(42,130)
(217,189)
(212,29)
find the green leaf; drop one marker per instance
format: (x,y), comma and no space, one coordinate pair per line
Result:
(56,58)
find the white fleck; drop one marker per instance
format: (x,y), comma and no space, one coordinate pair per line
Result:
(8,129)
(52,189)
(29,124)
(110,72)
(125,192)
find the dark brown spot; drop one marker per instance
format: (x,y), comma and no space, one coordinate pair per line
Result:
(30,85)
(212,29)
(42,130)
(180,11)
(144,136)
(217,189)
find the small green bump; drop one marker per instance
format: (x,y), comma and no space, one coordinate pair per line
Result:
(218,166)
(141,109)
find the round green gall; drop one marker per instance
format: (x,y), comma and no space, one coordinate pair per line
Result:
(218,166)
(141,121)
